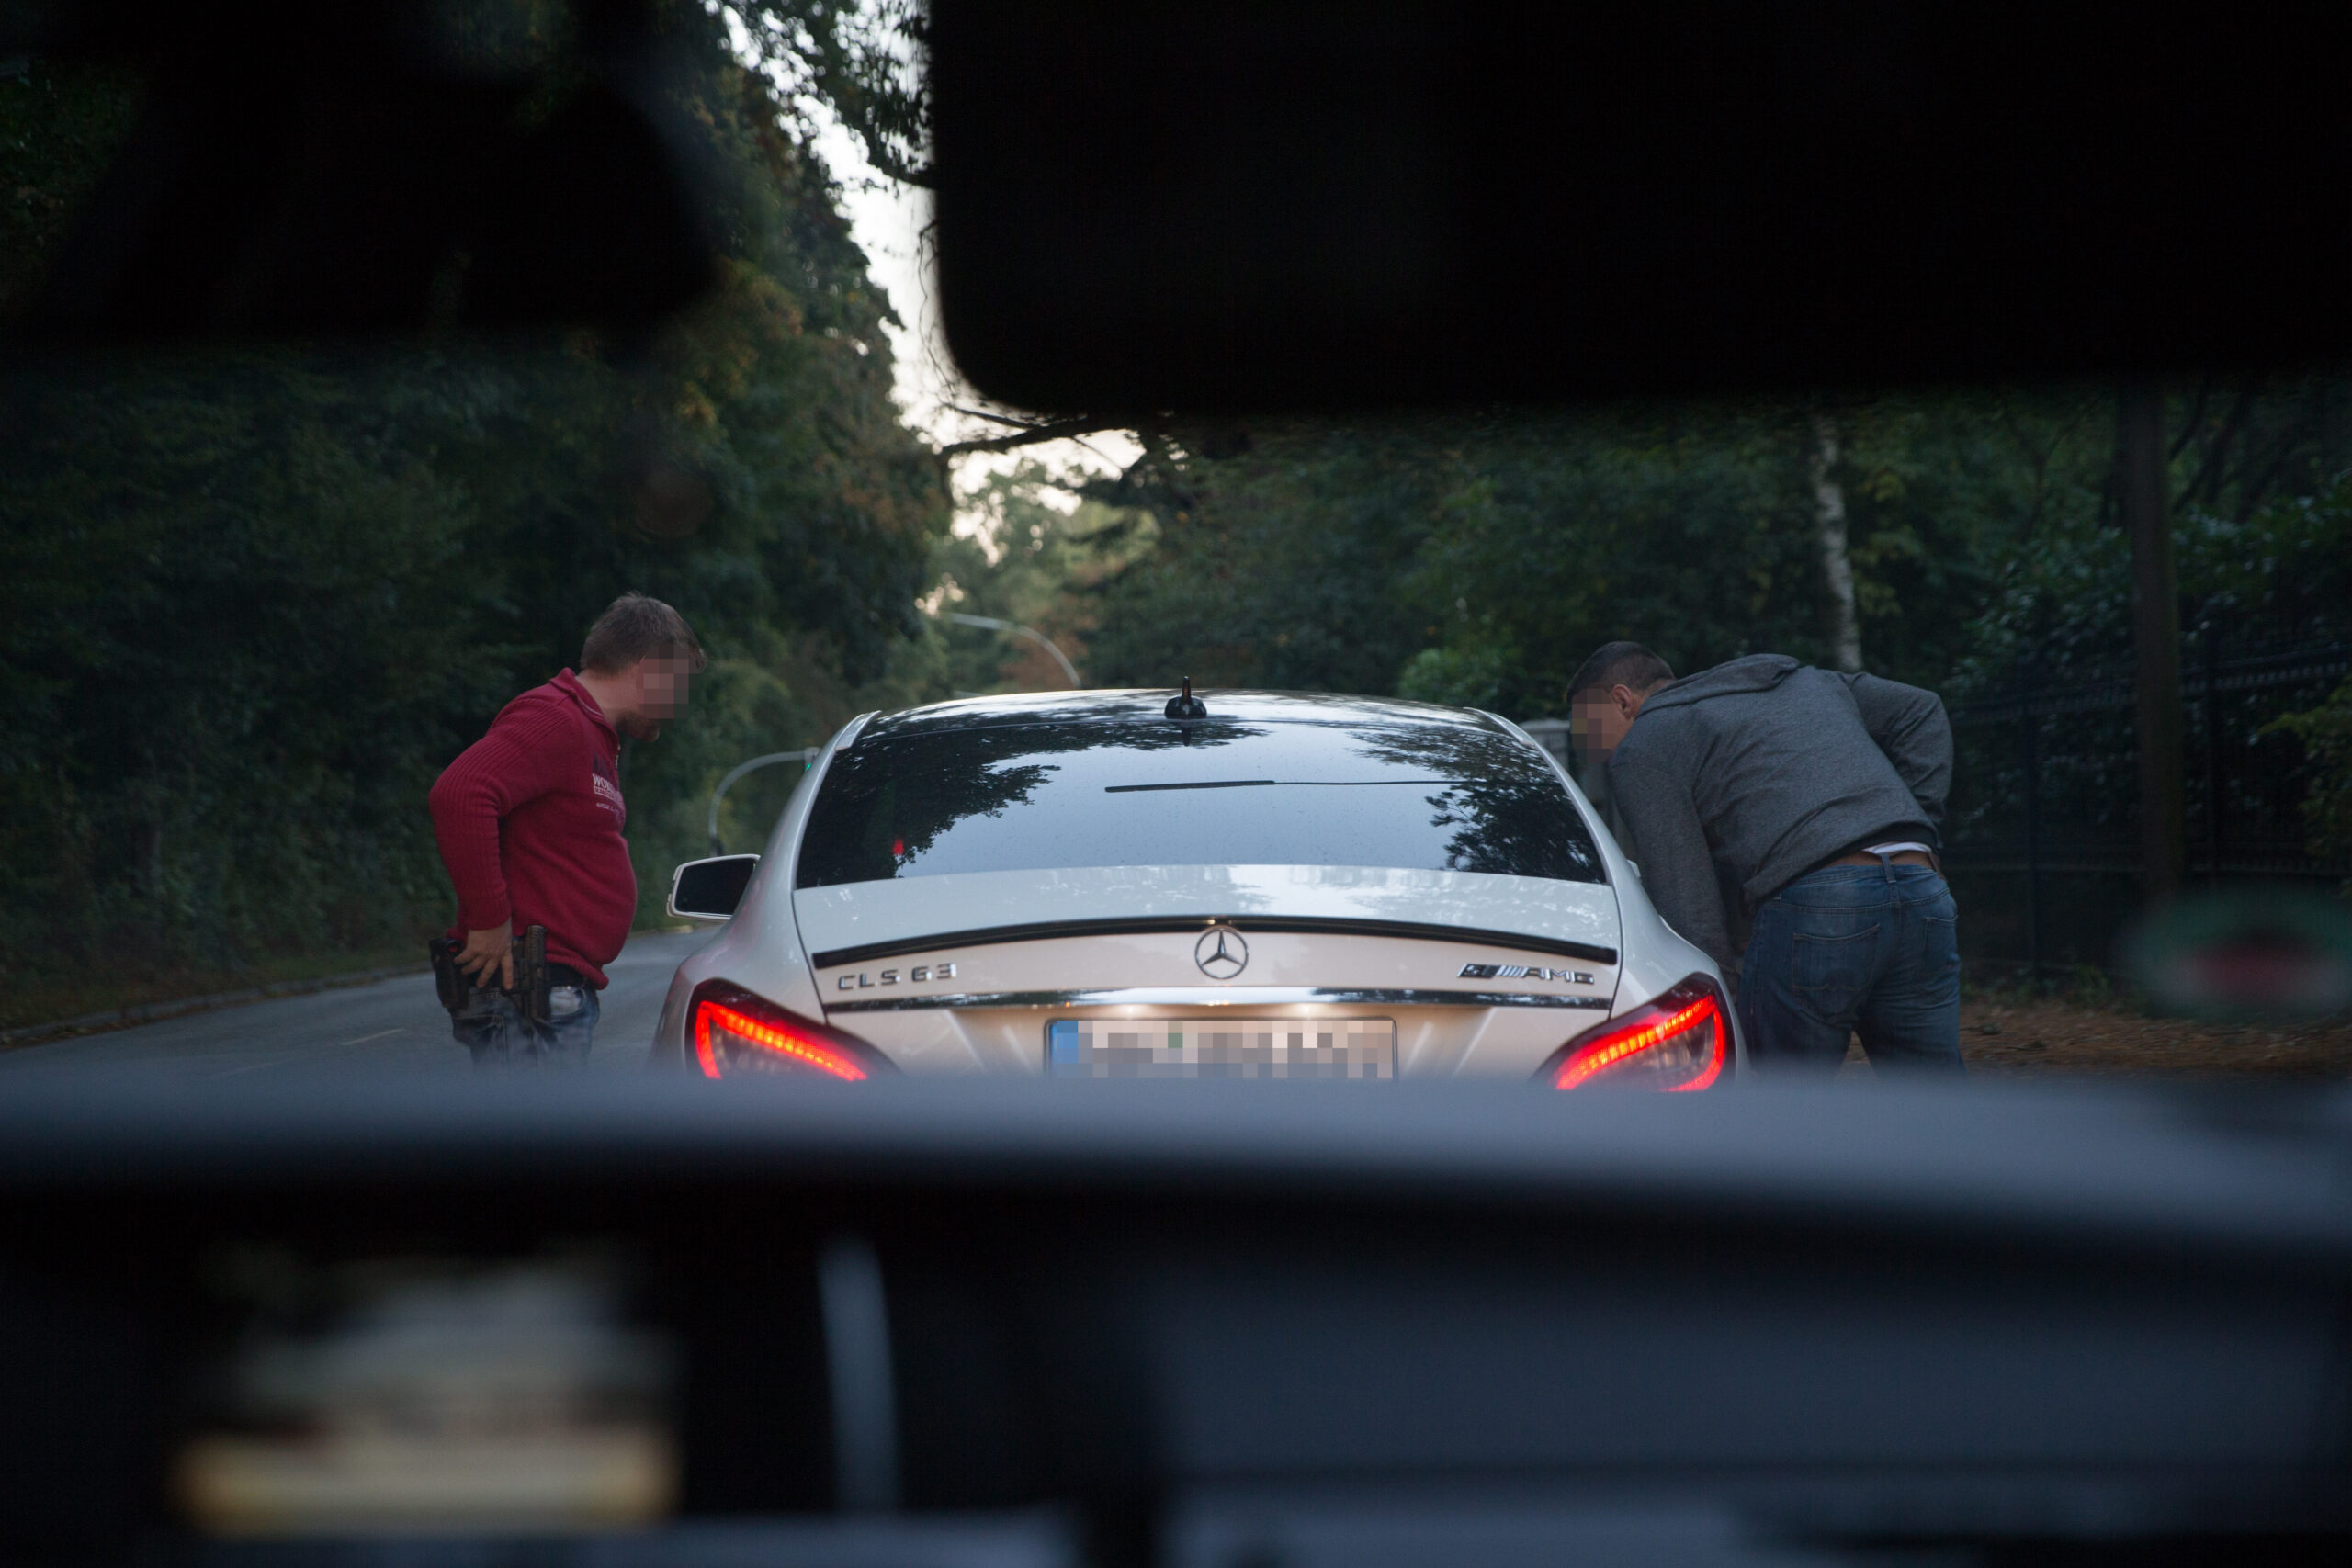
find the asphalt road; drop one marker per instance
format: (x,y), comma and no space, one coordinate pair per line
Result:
(390,1024)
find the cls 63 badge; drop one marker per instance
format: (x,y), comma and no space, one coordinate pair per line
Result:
(1522,972)
(916,976)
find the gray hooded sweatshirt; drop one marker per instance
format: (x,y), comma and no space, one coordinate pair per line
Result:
(1770,768)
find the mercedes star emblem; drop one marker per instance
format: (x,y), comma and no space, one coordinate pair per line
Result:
(1221,952)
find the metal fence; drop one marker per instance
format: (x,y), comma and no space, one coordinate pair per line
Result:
(2043,833)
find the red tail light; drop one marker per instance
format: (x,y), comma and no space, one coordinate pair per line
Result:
(1679,1043)
(736,1033)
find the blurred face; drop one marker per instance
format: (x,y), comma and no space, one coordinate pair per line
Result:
(1600,717)
(661,690)
(656,692)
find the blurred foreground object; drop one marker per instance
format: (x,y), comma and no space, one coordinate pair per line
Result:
(377,166)
(443,1397)
(1227,206)
(2268,953)
(2006,1325)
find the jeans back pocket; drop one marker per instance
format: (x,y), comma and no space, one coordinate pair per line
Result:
(1831,970)
(1939,940)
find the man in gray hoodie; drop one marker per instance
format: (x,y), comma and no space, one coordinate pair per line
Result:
(1816,795)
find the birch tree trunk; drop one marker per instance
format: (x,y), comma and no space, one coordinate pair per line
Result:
(1830,513)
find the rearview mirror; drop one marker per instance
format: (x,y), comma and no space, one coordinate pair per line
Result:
(710,889)
(1325,206)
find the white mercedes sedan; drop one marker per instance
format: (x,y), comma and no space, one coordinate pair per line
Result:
(1244,884)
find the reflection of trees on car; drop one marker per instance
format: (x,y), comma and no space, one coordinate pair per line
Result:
(1526,829)
(1491,756)
(906,801)
(886,801)
(1509,815)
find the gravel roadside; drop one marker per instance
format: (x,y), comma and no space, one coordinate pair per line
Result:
(2039,1036)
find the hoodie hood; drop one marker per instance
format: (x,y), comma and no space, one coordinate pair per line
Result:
(1756,672)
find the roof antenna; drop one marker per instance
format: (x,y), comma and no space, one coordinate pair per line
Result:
(1187,705)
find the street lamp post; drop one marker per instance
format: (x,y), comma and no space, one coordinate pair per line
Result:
(990,623)
(807,759)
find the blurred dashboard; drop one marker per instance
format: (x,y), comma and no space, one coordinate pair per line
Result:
(983,1324)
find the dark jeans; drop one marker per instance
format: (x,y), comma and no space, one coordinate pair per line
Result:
(1870,950)
(498,1034)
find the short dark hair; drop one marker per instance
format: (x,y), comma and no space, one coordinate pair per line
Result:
(635,627)
(1619,664)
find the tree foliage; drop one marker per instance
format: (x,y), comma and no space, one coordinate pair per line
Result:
(1481,558)
(251,601)
(1026,554)
(863,63)
(1274,562)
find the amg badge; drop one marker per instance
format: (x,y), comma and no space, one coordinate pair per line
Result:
(1522,972)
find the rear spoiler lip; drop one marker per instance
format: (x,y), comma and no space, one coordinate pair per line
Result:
(1154,924)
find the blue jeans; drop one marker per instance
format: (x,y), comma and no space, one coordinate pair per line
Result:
(498,1034)
(1870,950)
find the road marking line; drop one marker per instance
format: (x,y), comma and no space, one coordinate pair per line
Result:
(378,1035)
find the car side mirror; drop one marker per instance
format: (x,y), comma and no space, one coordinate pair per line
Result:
(710,889)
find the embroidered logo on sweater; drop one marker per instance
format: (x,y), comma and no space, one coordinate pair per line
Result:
(607,781)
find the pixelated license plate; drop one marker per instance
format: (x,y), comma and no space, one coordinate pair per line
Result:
(1221,1048)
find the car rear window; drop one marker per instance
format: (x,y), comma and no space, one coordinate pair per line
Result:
(1037,797)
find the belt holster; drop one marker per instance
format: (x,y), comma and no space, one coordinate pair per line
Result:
(457,989)
(530,992)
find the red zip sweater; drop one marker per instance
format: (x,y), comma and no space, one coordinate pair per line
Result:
(529,819)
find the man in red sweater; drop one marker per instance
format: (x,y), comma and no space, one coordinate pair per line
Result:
(529,820)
